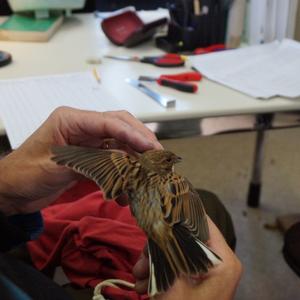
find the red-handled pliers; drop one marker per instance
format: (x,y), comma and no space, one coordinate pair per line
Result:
(168,60)
(177,81)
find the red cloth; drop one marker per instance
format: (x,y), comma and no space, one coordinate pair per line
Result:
(90,238)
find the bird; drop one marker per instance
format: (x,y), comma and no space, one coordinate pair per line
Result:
(164,204)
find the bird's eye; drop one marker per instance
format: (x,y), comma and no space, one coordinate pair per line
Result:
(168,160)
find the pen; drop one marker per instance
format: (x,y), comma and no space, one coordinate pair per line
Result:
(96,75)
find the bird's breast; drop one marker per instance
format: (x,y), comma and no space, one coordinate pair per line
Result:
(145,205)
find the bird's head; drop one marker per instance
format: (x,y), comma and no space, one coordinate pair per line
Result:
(159,161)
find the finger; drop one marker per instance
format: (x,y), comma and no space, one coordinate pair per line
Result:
(141,286)
(134,122)
(216,237)
(138,127)
(110,143)
(114,144)
(217,242)
(123,132)
(77,123)
(141,268)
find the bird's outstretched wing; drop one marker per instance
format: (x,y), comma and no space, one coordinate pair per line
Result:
(108,168)
(184,251)
(182,204)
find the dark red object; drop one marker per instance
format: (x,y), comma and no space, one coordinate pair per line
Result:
(91,239)
(127,29)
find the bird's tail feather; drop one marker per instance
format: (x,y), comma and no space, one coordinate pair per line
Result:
(182,254)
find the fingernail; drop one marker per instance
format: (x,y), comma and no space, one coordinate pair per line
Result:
(159,145)
(155,145)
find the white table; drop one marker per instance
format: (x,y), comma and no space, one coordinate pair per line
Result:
(81,38)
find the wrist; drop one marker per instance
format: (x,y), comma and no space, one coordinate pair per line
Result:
(6,190)
(15,179)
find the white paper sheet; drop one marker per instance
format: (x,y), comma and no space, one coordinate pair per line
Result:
(262,71)
(26,103)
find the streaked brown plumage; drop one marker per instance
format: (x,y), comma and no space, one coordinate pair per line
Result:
(164,203)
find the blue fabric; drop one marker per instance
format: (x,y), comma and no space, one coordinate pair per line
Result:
(31,223)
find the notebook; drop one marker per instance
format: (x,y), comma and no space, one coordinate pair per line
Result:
(28,28)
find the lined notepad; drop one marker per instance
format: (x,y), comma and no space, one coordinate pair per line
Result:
(26,103)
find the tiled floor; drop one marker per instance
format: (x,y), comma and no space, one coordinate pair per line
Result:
(222,164)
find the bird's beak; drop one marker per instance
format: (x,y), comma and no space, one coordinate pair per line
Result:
(178,159)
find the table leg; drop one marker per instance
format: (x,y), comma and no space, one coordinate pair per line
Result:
(263,122)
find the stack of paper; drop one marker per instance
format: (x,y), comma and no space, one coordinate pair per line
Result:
(26,103)
(262,71)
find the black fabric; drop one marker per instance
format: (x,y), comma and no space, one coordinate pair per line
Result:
(9,291)
(35,284)
(291,247)
(138,4)
(10,234)
(31,223)
(18,229)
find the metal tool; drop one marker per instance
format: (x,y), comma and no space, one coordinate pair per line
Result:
(162,100)
(177,81)
(168,60)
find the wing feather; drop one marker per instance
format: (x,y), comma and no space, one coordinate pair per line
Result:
(182,204)
(108,168)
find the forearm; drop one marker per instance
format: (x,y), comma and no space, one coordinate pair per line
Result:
(15,228)
(19,180)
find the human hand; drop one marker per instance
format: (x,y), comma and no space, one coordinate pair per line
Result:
(219,283)
(29,180)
